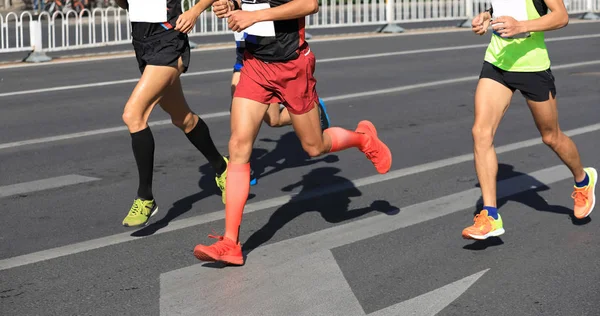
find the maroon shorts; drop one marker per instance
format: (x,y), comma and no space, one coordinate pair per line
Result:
(291,83)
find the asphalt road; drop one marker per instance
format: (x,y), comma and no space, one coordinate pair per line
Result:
(325,236)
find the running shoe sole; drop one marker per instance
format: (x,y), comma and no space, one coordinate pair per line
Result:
(495,233)
(225,259)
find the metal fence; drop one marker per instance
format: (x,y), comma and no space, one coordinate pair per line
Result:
(110,26)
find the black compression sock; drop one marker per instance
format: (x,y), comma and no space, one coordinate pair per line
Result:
(142,143)
(199,136)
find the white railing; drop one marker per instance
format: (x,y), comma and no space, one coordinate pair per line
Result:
(573,6)
(99,27)
(110,26)
(13,37)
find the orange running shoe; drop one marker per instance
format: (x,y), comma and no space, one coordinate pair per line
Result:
(224,250)
(585,198)
(485,226)
(375,150)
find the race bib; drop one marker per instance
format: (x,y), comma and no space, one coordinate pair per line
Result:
(517,9)
(262,29)
(151,11)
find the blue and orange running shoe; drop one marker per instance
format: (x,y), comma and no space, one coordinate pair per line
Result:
(323,116)
(585,197)
(485,226)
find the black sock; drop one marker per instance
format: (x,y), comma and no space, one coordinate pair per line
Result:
(142,143)
(199,136)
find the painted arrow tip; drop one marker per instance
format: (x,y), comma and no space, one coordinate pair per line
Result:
(431,303)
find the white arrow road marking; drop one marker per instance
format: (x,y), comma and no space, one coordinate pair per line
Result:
(274,275)
(311,286)
(431,303)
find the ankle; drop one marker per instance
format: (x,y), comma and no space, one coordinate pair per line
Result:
(492,211)
(585,180)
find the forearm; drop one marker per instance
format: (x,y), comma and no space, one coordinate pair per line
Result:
(294,9)
(201,6)
(549,22)
(123,4)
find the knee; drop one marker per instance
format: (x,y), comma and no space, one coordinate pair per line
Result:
(482,135)
(313,149)
(240,148)
(551,138)
(134,121)
(271,122)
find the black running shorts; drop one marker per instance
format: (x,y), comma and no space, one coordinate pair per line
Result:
(163,49)
(534,86)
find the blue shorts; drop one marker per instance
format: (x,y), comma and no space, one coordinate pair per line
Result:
(240,48)
(239,59)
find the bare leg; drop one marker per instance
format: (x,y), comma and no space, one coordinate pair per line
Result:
(491,102)
(545,115)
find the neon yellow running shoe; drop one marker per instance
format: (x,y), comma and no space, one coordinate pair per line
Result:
(140,212)
(222,180)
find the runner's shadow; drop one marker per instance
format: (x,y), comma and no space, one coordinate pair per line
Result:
(208,188)
(287,154)
(313,197)
(530,198)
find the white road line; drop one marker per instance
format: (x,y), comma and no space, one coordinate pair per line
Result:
(223,114)
(257,206)
(44,184)
(104,83)
(324,60)
(93,132)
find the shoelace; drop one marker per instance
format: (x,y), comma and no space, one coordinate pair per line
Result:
(135,209)
(580,197)
(480,220)
(221,246)
(370,154)
(370,150)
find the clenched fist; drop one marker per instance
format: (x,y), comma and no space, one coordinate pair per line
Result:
(222,7)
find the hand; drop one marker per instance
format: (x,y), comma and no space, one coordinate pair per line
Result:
(222,7)
(480,23)
(240,20)
(507,26)
(186,21)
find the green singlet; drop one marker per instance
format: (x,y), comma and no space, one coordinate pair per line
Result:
(521,54)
